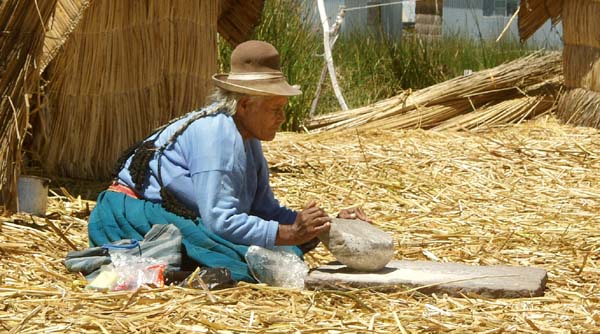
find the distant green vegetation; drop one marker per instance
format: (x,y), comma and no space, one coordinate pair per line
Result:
(369,67)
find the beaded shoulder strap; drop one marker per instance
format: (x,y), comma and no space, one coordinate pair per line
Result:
(142,153)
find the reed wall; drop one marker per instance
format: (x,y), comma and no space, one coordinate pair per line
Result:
(128,67)
(580,105)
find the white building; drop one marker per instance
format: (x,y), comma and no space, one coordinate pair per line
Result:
(485,19)
(365,15)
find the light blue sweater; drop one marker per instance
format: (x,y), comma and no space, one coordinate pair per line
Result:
(224,178)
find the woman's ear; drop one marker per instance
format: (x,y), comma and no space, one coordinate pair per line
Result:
(243,106)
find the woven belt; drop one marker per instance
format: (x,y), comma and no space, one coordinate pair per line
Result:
(117,187)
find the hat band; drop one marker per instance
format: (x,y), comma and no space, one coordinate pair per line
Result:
(250,76)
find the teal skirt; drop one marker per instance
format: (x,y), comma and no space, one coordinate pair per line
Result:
(118,216)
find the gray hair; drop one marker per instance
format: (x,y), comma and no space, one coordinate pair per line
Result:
(219,101)
(222,100)
(225,101)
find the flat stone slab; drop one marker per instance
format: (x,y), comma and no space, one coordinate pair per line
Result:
(454,279)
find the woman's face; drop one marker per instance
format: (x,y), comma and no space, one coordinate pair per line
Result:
(261,116)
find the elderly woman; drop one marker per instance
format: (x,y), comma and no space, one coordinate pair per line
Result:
(206,174)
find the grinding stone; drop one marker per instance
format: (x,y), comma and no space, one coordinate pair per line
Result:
(358,244)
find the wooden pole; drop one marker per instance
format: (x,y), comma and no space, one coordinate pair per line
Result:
(328,57)
(335,29)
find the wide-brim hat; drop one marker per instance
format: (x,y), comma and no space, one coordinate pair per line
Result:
(255,70)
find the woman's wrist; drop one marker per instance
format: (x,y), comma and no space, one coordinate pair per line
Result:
(285,235)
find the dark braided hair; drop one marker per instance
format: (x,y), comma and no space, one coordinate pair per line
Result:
(144,151)
(140,165)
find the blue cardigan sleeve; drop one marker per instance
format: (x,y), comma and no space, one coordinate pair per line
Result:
(265,204)
(215,193)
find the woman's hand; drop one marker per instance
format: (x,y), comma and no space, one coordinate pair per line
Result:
(354,213)
(309,223)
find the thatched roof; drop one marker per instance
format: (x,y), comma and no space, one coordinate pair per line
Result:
(534,13)
(236,22)
(237,19)
(62,23)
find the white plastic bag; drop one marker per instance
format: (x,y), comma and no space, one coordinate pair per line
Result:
(127,272)
(278,267)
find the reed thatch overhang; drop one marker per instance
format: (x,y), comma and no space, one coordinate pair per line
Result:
(66,17)
(580,105)
(238,18)
(534,13)
(236,22)
(21,39)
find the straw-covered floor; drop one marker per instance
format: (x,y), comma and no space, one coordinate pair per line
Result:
(523,195)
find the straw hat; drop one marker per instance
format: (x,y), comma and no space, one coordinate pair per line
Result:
(255,70)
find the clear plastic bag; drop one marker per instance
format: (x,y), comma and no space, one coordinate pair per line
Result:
(129,272)
(278,267)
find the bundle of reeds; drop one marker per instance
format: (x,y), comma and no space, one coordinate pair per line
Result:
(521,195)
(580,106)
(581,102)
(126,68)
(504,112)
(22,28)
(538,75)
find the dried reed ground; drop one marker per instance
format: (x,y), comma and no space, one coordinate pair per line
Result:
(517,195)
